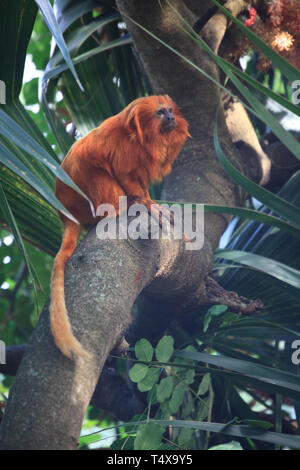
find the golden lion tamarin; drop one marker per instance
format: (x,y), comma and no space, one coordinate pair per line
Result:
(118,158)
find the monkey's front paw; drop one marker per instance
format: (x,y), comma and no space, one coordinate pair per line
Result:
(154,209)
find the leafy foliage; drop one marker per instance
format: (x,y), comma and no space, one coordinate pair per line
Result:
(192,393)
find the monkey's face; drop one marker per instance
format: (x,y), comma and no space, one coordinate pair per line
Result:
(167,118)
(153,118)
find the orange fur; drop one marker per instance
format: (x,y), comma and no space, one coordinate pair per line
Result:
(120,157)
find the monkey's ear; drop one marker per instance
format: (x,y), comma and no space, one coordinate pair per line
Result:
(133,122)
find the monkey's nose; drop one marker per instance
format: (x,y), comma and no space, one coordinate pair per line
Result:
(170,117)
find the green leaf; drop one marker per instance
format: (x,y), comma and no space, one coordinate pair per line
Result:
(150,379)
(82,33)
(143,350)
(138,372)
(268,266)
(288,382)
(254,215)
(16,23)
(217,310)
(213,311)
(233,445)
(126,443)
(15,165)
(242,212)
(68,12)
(237,431)
(203,409)
(165,349)
(40,43)
(264,90)
(63,139)
(89,439)
(255,423)
(14,228)
(187,411)
(187,376)
(53,26)
(149,436)
(102,97)
(206,322)
(14,133)
(37,220)
(29,92)
(57,70)
(185,437)
(165,410)
(229,317)
(204,385)
(177,397)
(164,389)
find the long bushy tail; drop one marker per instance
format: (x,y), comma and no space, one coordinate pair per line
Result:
(59,320)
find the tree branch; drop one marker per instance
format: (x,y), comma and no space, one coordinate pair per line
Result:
(108,277)
(244,136)
(216,294)
(112,393)
(283,163)
(214,30)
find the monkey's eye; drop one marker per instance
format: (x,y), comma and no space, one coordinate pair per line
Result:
(170,110)
(161,111)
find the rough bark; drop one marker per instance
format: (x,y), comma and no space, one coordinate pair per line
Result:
(103,279)
(112,392)
(50,395)
(284,163)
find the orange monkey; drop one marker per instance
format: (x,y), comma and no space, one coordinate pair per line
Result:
(118,158)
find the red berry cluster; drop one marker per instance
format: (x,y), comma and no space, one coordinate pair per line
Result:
(279,27)
(252,17)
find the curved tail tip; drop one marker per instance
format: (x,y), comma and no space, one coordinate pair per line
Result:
(73,351)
